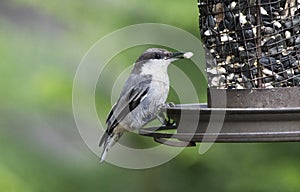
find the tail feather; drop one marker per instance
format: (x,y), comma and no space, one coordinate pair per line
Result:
(105,139)
(108,141)
(104,153)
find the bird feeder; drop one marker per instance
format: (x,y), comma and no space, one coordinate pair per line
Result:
(252,52)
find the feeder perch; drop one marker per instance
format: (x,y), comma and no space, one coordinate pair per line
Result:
(252,50)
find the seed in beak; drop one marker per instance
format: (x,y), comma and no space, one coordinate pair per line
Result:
(188,55)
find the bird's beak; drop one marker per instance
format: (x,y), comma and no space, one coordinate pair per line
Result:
(180,55)
(176,55)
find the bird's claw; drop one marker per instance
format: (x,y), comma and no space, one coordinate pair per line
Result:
(170,105)
(169,121)
(165,120)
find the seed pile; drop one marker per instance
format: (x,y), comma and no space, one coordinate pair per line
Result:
(253,43)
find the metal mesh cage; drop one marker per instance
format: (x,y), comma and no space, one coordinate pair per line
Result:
(251,43)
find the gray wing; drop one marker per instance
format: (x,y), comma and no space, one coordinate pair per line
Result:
(130,98)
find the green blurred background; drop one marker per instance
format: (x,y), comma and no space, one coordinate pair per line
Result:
(41,45)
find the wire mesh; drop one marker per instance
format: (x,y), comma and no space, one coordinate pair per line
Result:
(251,43)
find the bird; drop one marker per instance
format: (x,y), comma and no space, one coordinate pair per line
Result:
(143,95)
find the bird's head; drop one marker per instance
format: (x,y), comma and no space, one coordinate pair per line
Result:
(157,54)
(159,58)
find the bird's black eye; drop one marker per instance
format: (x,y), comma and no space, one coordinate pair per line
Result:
(157,56)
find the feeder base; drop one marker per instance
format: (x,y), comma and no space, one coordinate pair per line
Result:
(282,97)
(198,123)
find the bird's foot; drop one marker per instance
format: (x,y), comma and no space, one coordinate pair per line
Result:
(170,105)
(169,121)
(165,120)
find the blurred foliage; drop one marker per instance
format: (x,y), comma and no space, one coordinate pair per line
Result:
(41,45)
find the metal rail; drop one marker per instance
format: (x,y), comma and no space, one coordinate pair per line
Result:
(239,125)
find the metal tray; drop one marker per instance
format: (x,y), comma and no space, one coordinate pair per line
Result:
(198,123)
(280,97)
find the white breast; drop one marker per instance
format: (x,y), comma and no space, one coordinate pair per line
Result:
(158,69)
(160,83)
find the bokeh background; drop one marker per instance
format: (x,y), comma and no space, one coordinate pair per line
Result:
(41,45)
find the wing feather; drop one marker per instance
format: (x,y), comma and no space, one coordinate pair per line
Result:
(127,102)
